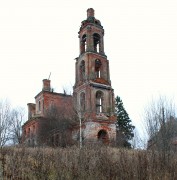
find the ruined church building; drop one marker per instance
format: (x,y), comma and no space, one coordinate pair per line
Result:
(93,95)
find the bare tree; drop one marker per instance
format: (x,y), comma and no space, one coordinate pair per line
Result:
(17,117)
(59,121)
(5,122)
(161,124)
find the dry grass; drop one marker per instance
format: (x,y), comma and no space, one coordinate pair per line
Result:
(89,163)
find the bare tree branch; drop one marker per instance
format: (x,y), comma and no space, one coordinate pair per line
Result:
(17,119)
(5,122)
(161,124)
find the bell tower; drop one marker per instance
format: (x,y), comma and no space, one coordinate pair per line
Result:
(93,93)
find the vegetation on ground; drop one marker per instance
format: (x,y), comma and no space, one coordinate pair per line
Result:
(88,163)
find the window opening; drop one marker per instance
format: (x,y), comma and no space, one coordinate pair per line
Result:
(99,102)
(97,68)
(103,136)
(96,42)
(39,106)
(83,43)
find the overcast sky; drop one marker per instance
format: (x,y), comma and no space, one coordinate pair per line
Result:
(41,36)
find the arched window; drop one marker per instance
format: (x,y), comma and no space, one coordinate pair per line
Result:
(99,101)
(82,70)
(82,102)
(96,42)
(97,68)
(83,43)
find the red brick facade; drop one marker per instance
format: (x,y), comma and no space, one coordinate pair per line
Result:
(93,96)
(34,130)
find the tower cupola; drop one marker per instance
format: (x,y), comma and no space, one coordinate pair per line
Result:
(91,34)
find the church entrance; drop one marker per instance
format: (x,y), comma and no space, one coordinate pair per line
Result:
(103,137)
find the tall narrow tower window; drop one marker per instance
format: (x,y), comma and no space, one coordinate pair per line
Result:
(29,131)
(83,43)
(96,42)
(97,68)
(82,102)
(39,106)
(82,70)
(99,102)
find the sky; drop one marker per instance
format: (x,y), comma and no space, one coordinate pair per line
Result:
(41,36)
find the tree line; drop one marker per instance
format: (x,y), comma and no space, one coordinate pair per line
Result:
(159,120)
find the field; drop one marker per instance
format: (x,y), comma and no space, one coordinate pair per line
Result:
(89,163)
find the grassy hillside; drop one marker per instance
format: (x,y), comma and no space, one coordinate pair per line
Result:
(89,163)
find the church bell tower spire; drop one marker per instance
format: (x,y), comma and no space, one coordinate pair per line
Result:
(93,94)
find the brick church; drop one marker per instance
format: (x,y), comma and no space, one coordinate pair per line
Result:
(92,102)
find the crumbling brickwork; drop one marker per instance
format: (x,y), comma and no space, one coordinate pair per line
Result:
(35,129)
(93,82)
(93,95)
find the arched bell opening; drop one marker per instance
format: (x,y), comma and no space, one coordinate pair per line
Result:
(83,43)
(96,42)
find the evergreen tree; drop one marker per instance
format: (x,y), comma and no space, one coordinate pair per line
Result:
(123,124)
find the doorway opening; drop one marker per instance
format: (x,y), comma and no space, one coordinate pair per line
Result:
(103,137)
